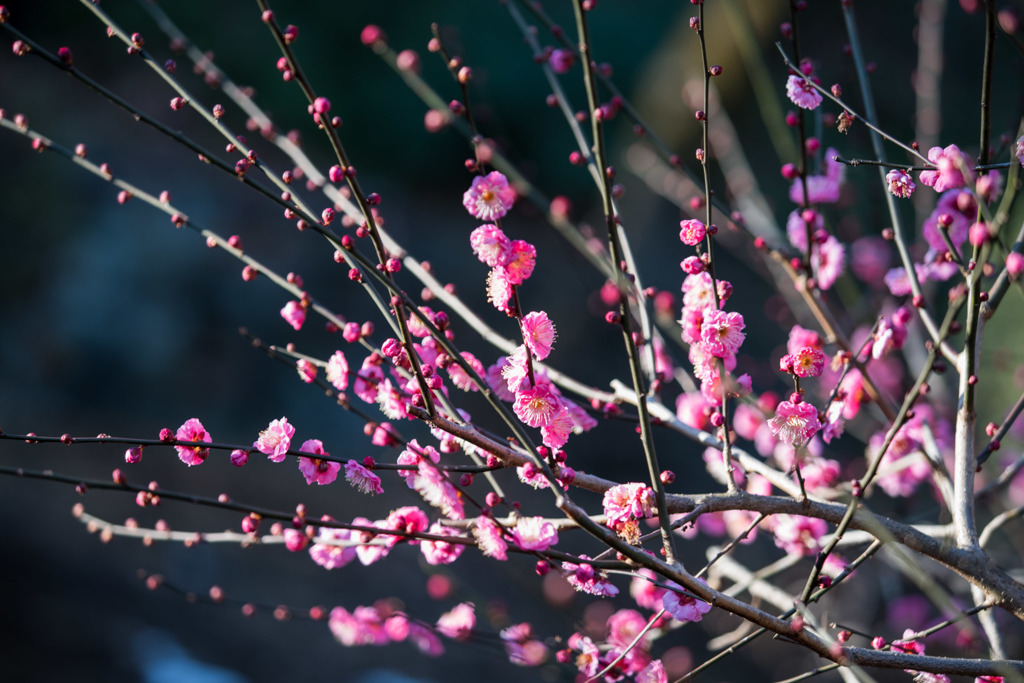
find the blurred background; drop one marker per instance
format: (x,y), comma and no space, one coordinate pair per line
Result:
(115,322)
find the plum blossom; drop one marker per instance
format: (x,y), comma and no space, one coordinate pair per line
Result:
(653,673)
(488,537)
(722,333)
(584,578)
(275,440)
(538,333)
(682,606)
(645,591)
(809,362)
(192,430)
(294,314)
(362,478)
(556,433)
(307,370)
(537,406)
(794,422)
(798,535)
(900,183)
(821,189)
(499,288)
(801,93)
(460,377)
(337,371)
(491,245)
(522,648)
(828,262)
(628,502)
(431,483)
(458,623)
(520,265)
(489,197)
(691,232)
(441,552)
(328,555)
(533,533)
(947,174)
(316,469)
(363,626)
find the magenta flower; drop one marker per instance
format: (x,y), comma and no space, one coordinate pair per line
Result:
(561,60)
(584,578)
(947,174)
(692,232)
(798,535)
(337,371)
(133,455)
(307,371)
(536,407)
(327,554)
(515,372)
(801,93)
(491,245)
(538,333)
(808,362)
(684,607)
(722,333)
(192,430)
(828,262)
(431,483)
(794,423)
(900,183)
(488,538)
(628,502)
(458,623)
(555,434)
(460,377)
(499,288)
(362,478)
(645,591)
(441,552)
(489,197)
(275,440)
(317,470)
(294,314)
(520,265)
(533,533)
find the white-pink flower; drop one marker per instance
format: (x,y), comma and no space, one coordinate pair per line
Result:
(533,533)
(362,478)
(489,197)
(801,93)
(275,440)
(488,537)
(441,552)
(794,423)
(684,607)
(499,288)
(722,333)
(458,623)
(628,502)
(337,371)
(900,183)
(331,555)
(538,333)
(491,245)
(435,488)
(536,407)
(294,314)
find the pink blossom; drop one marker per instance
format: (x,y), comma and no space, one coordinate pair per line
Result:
(460,377)
(808,362)
(431,483)
(653,673)
(316,469)
(295,540)
(364,626)
(366,381)
(520,266)
(329,555)
(684,607)
(722,333)
(900,183)
(834,422)
(957,222)
(392,401)
(698,292)
(800,93)
(441,552)
(821,189)
(417,327)
(491,245)
(294,314)
(307,371)
(536,407)
(488,538)
(828,262)
(515,371)
(337,371)
(458,623)
(133,455)
(384,435)
(496,379)
(628,502)
(362,478)
(947,174)
(499,288)
(800,337)
(370,550)
(533,533)
(691,232)
(192,430)
(870,258)
(623,628)
(794,423)
(584,578)
(489,197)
(522,648)
(555,434)
(645,591)
(561,60)
(798,535)
(407,520)
(538,333)
(275,440)
(588,661)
